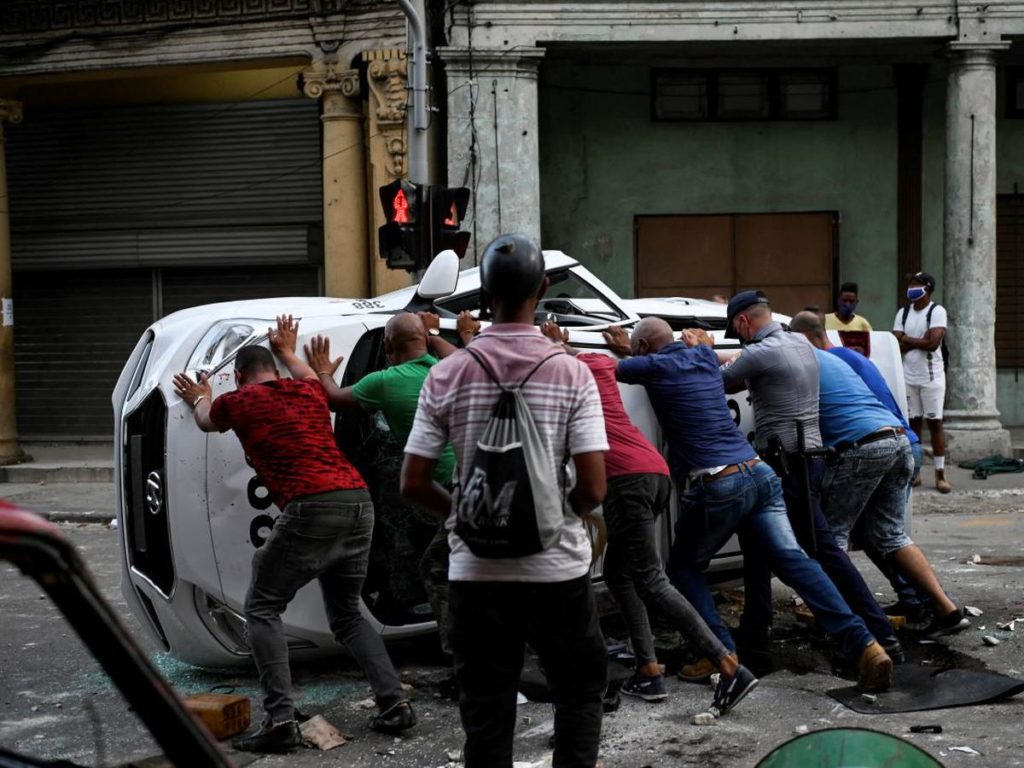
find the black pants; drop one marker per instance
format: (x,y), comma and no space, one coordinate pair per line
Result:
(491,623)
(834,561)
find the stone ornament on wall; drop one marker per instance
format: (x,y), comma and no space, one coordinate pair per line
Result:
(53,15)
(326,78)
(387,74)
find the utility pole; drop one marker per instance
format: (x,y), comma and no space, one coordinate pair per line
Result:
(416,108)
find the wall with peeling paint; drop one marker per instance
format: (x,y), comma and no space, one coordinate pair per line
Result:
(603,160)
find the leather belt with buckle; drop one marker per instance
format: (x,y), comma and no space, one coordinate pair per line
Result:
(732,469)
(882,434)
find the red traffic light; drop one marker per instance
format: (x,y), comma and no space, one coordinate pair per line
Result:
(401,202)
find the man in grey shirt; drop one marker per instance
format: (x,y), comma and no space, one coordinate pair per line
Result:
(780,371)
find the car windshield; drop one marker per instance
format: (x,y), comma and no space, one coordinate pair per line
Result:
(569,299)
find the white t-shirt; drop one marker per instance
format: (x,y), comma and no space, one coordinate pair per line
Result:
(920,367)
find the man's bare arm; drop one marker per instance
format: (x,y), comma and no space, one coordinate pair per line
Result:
(419,486)
(318,352)
(931,341)
(199,395)
(282,344)
(591,484)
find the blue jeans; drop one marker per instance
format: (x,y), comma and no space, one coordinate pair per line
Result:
(328,541)
(749,502)
(870,481)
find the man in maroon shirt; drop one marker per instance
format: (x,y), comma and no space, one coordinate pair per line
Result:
(639,490)
(323,533)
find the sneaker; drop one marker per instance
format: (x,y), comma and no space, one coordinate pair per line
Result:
(874,669)
(698,672)
(395,719)
(953,622)
(271,738)
(941,483)
(646,688)
(892,646)
(729,693)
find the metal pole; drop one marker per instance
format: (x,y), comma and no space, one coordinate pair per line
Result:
(416,111)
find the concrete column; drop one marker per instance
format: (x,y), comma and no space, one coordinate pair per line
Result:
(346,241)
(387,76)
(972,422)
(10,452)
(493,143)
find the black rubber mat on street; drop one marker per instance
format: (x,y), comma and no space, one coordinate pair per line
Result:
(918,688)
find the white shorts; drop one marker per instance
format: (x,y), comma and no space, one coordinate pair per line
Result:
(926,399)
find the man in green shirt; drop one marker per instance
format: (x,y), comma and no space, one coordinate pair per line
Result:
(395,392)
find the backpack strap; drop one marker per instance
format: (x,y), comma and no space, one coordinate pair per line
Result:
(490,371)
(906,314)
(928,317)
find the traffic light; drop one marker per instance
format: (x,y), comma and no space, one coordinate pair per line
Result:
(449,206)
(405,240)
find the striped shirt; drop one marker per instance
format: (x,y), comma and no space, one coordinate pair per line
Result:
(455,405)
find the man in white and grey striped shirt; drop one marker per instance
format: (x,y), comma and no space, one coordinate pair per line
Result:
(498,605)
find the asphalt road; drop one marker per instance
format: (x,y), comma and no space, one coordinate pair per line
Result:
(56,703)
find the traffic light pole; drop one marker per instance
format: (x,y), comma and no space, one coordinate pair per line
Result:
(416,109)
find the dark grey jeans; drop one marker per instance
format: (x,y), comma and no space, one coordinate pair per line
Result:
(328,541)
(633,569)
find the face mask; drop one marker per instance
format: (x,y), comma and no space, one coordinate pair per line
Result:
(846,308)
(915,293)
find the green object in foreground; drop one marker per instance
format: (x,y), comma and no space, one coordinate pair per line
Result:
(848,748)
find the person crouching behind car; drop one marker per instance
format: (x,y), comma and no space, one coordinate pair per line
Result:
(323,532)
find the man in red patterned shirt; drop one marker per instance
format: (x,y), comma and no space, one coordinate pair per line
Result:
(323,533)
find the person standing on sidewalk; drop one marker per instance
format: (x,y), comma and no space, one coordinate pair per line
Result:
(730,491)
(323,532)
(499,604)
(780,371)
(639,491)
(920,328)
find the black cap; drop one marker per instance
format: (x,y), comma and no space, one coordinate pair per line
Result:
(737,304)
(512,268)
(923,278)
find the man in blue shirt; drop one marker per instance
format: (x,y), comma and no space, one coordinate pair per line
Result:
(869,477)
(730,490)
(911,603)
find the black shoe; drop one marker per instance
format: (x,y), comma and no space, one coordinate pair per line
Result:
(283,737)
(646,688)
(611,702)
(449,688)
(754,647)
(950,624)
(893,647)
(395,719)
(729,693)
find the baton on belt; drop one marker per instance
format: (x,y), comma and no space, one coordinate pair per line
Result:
(802,456)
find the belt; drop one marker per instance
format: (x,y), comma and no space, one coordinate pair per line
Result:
(882,434)
(732,469)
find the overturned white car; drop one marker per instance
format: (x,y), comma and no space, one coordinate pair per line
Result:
(191,510)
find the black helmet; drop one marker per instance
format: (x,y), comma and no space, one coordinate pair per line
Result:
(512,268)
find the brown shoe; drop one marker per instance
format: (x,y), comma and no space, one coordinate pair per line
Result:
(917,481)
(941,483)
(698,672)
(874,669)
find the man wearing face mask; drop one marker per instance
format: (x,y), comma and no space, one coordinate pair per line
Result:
(845,318)
(920,328)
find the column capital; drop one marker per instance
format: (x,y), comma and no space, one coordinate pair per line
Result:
(336,86)
(975,53)
(521,61)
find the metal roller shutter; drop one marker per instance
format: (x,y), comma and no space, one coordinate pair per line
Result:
(120,215)
(73,332)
